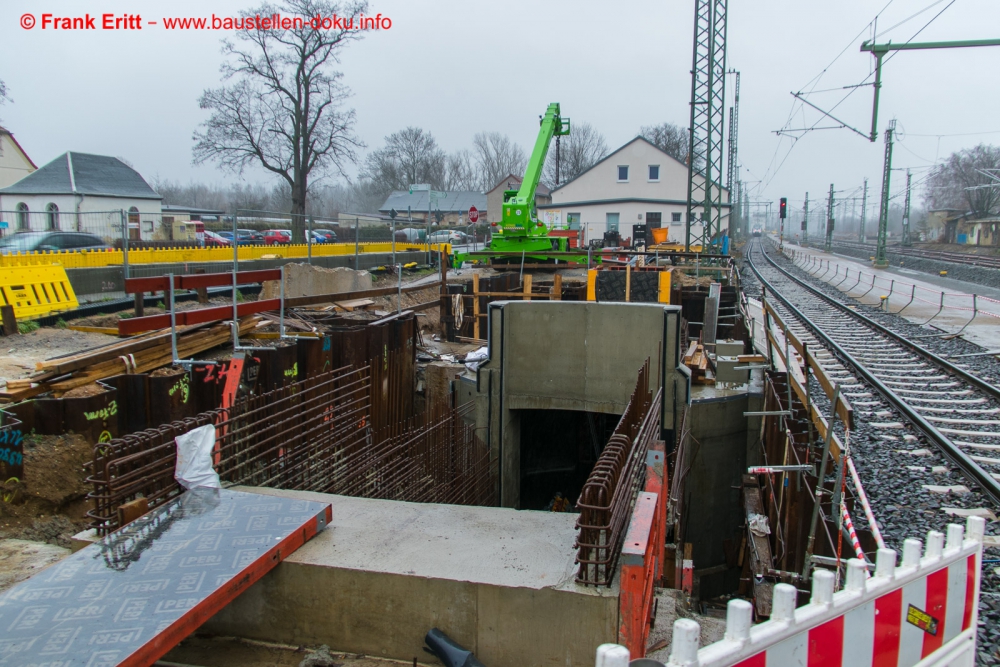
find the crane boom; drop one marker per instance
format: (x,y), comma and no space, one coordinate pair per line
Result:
(519,213)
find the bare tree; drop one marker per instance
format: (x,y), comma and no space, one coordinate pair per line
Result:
(409,156)
(496,156)
(578,152)
(963,182)
(461,172)
(669,138)
(4,95)
(284,107)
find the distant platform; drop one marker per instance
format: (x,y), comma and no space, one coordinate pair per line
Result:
(499,581)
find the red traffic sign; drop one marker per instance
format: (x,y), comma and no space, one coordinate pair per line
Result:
(473,214)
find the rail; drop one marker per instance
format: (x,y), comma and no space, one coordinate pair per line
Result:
(607,497)
(988,483)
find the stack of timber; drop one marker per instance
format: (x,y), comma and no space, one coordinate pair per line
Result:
(696,360)
(139,354)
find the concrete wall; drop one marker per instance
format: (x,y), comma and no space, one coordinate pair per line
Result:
(713,508)
(570,355)
(14,164)
(383,573)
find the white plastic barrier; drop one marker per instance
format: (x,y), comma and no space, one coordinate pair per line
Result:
(923,612)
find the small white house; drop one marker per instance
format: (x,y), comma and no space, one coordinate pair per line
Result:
(635,185)
(14,162)
(82,192)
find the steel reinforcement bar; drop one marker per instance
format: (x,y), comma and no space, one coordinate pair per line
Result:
(989,485)
(607,497)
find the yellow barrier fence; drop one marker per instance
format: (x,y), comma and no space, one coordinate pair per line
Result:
(36,291)
(90,259)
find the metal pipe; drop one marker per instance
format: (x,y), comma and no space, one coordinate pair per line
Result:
(173,318)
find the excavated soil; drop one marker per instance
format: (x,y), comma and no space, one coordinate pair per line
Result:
(51,504)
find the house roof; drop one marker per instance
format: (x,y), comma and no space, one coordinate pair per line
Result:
(85,174)
(4,130)
(542,189)
(452,202)
(618,150)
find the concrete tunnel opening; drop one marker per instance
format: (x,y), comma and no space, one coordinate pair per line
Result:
(558,451)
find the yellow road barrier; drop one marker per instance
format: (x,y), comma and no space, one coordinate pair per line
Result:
(89,259)
(37,290)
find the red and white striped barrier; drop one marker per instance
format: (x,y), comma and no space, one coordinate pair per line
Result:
(922,612)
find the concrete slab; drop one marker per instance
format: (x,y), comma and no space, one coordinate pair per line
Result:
(900,283)
(499,581)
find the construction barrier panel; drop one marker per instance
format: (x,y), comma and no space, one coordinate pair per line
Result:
(36,291)
(97,258)
(923,612)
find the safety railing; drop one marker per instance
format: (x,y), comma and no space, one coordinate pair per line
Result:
(923,611)
(891,294)
(97,258)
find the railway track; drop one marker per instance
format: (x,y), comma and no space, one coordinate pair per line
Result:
(922,253)
(886,376)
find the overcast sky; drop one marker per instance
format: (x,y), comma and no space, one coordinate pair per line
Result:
(458,67)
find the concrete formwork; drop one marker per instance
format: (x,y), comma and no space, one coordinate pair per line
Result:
(571,355)
(498,581)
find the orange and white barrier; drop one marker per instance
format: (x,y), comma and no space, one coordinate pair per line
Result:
(922,612)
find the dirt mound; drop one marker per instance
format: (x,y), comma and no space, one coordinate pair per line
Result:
(51,505)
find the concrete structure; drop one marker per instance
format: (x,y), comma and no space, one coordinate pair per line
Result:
(83,192)
(494,198)
(570,356)
(636,184)
(383,573)
(453,206)
(14,161)
(723,443)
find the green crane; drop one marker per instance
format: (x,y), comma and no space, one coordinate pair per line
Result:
(519,232)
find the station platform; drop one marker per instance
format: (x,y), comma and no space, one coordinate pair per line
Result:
(499,581)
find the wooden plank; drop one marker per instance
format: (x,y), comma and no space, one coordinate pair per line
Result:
(527,287)
(9,320)
(110,331)
(475,305)
(761,560)
(557,287)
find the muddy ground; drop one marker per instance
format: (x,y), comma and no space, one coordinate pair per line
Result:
(207,651)
(20,353)
(50,505)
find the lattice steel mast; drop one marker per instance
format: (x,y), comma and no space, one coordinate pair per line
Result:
(708,96)
(732,166)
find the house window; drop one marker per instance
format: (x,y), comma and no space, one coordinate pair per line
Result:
(573,220)
(52,212)
(623,173)
(675,218)
(612,220)
(22,217)
(654,172)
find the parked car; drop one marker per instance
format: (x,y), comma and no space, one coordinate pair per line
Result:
(277,237)
(213,240)
(41,241)
(324,236)
(447,236)
(228,236)
(250,236)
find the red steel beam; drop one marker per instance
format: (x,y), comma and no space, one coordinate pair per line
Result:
(200,280)
(139,324)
